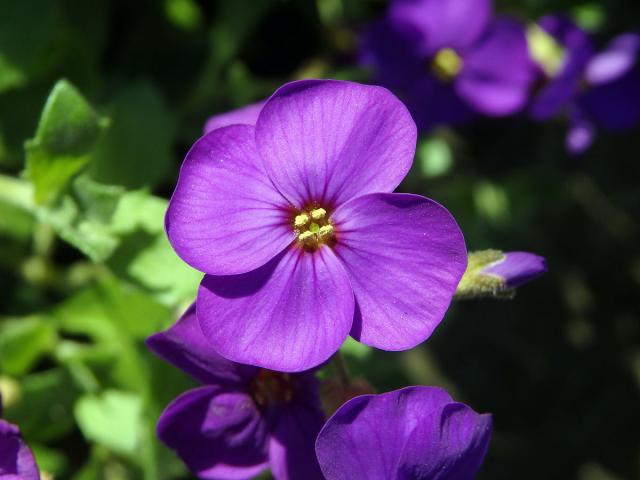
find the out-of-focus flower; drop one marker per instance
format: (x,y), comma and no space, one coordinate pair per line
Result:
(492,273)
(247,115)
(16,460)
(591,89)
(243,419)
(301,240)
(450,59)
(416,433)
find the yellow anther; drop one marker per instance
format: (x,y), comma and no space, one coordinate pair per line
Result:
(318,213)
(447,63)
(545,50)
(301,220)
(326,230)
(305,235)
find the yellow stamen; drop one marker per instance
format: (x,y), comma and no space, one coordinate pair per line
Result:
(326,230)
(301,220)
(305,235)
(318,213)
(447,63)
(545,50)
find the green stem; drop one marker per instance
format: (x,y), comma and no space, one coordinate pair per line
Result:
(341,369)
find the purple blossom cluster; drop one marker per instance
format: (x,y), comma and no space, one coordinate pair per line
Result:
(453,60)
(287,207)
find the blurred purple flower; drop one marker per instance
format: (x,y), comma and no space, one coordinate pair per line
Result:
(592,89)
(517,268)
(413,433)
(449,59)
(244,419)
(301,241)
(16,459)
(247,115)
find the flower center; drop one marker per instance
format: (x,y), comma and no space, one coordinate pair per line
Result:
(446,64)
(545,51)
(269,388)
(313,228)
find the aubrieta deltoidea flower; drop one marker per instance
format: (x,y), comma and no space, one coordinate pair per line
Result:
(247,115)
(492,273)
(592,89)
(416,433)
(450,60)
(302,242)
(243,419)
(16,459)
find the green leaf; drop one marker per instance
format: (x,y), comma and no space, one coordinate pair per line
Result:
(117,318)
(23,341)
(67,131)
(49,460)
(135,150)
(109,311)
(83,218)
(44,410)
(113,419)
(145,255)
(355,349)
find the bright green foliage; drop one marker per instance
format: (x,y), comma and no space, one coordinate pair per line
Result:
(66,133)
(23,341)
(82,217)
(113,419)
(146,255)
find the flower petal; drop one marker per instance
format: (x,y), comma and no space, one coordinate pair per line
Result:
(449,445)
(247,115)
(517,268)
(453,24)
(412,433)
(16,460)
(563,87)
(217,434)
(290,315)
(580,135)
(616,105)
(433,103)
(225,217)
(292,445)
(498,72)
(615,61)
(404,255)
(328,141)
(185,346)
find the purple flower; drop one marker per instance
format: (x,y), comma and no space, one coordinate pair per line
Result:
(244,419)
(516,268)
(450,59)
(247,115)
(591,89)
(301,241)
(16,459)
(409,434)
(492,273)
